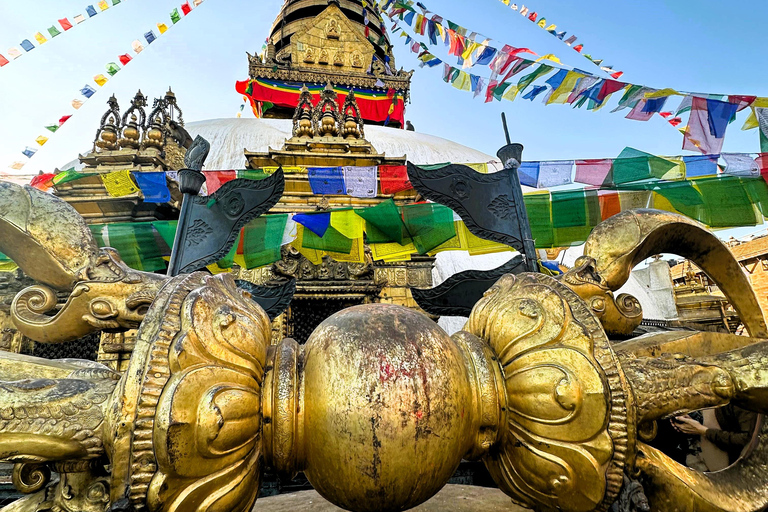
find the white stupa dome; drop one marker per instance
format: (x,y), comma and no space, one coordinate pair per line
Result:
(230,137)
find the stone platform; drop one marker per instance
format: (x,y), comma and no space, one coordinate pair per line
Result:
(456,498)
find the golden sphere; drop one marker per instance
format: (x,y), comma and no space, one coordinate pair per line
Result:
(131,132)
(108,135)
(387,408)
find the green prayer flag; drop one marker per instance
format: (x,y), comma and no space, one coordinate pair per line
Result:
(763,141)
(539,209)
(573,216)
(628,94)
(429,225)
(499,90)
(530,78)
(67,176)
(727,203)
(175,16)
(262,239)
(136,244)
(167,231)
(757,190)
(112,68)
(53,31)
(252,174)
(52,128)
(229,260)
(684,198)
(115,2)
(384,224)
(331,241)
(96,231)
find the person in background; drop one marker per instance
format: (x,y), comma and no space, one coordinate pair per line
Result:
(736,428)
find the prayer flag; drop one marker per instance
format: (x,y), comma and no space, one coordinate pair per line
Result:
(571,40)
(3,61)
(53,31)
(17,165)
(115,2)
(153,186)
(162,27)
(383,223)
(529,174)
(150,36)
(737,164)
(137,47)
(14,53)
(348,223)
(535,91)
(112,68)
(215,179)
(462,81)
(638,113)
(42,181)
(29,152)
(87,91)
(317,223)
(720,114)
(561,93)
(27,45)
(698,135)
(103,5)
(198,2)
(584,84)
(394,179)
(429,224)
(530,78)
(90,11)
(594,172)
(65,24)
(554,174)
(262,240)
(125,59)
(40,38)
(175,16)
(79,18)
(76,103)
(609,87)
(360,181)
(41,140)
(654,105)
(700,165)
(64,119)
(610,204)
(52,128)
(119,183)
(186,8)
(100,80)
(326,181)
(761,114)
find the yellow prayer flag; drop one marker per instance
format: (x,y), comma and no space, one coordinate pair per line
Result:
(393,251)
(751,122)
(761,102)
(560,95)
(356,255)
(313,255)
(286,170)
(40,38)
(463,82)
(631,199)
(662,203)
(511,93)
(675,173)
(550,57)
(348,223)
(469,49)
(103,5)
(441,31)
(162,27)
(481,168)
(551,27)
(453,244)
(476,245)
(119,183)
(100,80)
(41,140)
(542,23)
(8,266)
(505,2)
(662,93)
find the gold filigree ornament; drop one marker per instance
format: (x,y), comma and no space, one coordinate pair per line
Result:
(568,428)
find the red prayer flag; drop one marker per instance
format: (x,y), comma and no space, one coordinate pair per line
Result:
(185,8)
(609,87)
(610,204)
(65,24)
(42,181)
(762,162)
(533,16)
(580,47)
(3,61)
(742,101)
(64,119)
(594,172)
(215,179)
(125,59)
(698,135)
(617,75)
(394,179)
(676,121)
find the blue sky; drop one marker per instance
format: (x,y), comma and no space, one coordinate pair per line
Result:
(703,46)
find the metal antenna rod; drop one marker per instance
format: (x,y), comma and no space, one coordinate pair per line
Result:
(506,131)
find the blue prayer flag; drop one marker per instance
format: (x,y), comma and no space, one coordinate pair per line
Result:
(315,222)
(487,56)
(87,91)
(432,31)
(654,105)
(90,11)
(150,36)
(700,165)
(555,80)
(529,174)
(27,45)
(154,186)
(409,17)
(537,89)
(326,180)
(720,114)
(29,152)
(475,81)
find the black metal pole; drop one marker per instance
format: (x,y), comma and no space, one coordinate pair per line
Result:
(190,182)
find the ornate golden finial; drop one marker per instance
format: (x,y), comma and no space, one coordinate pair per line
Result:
(134,121)
(302,117)
(353,121)
(109,127)
(326,117)
(155,135)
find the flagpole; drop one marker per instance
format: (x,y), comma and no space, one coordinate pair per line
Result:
(190,182)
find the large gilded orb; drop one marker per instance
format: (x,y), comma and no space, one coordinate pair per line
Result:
(387,408)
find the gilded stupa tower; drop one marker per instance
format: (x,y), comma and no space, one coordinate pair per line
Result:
(318,42)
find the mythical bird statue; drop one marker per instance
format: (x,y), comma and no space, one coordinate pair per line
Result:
(381,405)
